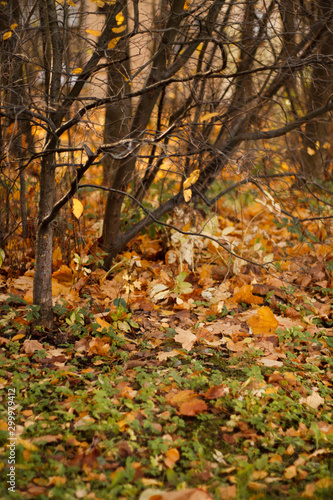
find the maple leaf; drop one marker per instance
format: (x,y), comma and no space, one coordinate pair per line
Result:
(264,322)
(186,338)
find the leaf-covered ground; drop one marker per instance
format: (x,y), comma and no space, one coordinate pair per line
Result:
(183,370)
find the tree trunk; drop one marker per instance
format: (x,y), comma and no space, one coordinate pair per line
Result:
(314,154)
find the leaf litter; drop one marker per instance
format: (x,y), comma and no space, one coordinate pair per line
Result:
(194,377)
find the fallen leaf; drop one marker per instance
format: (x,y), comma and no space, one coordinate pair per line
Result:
(193,407)
(270,362)
(264,322)
(244,294)
(30,346)
(314,400)
(186,338)
(186,494)
(228,492)
(290,472)
(171,457)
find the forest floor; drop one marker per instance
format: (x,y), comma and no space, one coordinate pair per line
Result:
(183,374)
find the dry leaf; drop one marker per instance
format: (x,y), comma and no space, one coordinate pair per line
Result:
(30,346)
(186,494)
(264,322)
(187,193)
(192,179)
(244,294)
(97,346)
(290,472)
(314,400)
(93,32)
(270,362)
(186,338)
(103,324)
(193,407)
(228,492)
(63,275)
(171,457)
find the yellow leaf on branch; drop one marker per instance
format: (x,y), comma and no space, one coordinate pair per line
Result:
(120,29)
(192,179)
(93,32)
(113,42)
(77,208)
(7,35)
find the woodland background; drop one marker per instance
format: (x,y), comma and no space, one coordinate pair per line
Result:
(166,247)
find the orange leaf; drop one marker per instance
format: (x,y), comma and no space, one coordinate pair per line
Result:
(216,392)
(172,456)
(244,294)
(264,322)
(97,346)
(180,397)
(193,407)
(64,274)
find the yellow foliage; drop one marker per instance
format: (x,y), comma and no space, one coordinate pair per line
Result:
(244,294)
(264,322)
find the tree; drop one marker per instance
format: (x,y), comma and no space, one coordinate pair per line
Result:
(191,88)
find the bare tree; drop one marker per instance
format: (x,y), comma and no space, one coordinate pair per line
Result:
(185,87)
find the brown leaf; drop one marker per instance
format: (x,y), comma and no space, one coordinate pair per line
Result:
(193,407)
(186,338)
(30,346)
(228,492)
(217,391)
(97,346)
(186,494)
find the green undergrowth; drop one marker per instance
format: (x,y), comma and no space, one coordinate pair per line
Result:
(95,427)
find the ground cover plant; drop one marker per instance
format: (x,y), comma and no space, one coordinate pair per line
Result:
(181,371)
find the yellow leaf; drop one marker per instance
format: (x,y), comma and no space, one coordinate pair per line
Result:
(290,472)
(208,116)
(102,323)
(311,151)
(120,18)
(264,323)
(113,43)
(13,26)
(77,208)
(192,179)
(93,32)
(19,336)
(187,194)
(172,456)
(7,35)
(77,71)
(244,294)
(27,445)
(120,29)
